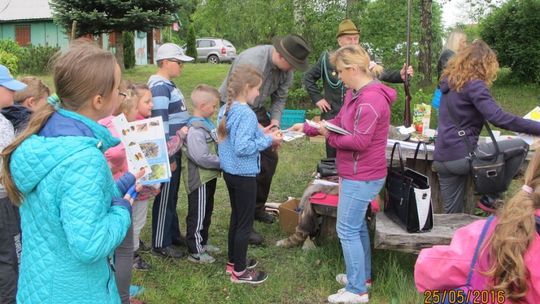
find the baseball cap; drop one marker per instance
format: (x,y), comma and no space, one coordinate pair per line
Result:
(171,51)
(8,82)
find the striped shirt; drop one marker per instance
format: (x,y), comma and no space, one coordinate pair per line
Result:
(169,103)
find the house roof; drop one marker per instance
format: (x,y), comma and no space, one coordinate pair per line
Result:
(15,10)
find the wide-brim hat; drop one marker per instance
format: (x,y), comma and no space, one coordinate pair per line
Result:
(8,82)
(347,27)
(294,49)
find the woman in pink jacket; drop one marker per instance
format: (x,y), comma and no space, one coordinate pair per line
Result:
(507,267)
(361,162)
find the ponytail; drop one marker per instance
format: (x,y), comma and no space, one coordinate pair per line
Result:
(514,233)
(242,76)
(38,119)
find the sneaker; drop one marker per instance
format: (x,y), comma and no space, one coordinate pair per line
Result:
(167,252)
(135,301)
(488,203)
(348,297)
(342,279)
(135,291)
(264,217)
(249,276)
(140,264)
(211,249)
(250,264)
(201,258)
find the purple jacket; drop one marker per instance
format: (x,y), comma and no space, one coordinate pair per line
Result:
(362,155)
(472,106)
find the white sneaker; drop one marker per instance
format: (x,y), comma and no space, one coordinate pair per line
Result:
(348,297)
(342,279)
(211,249)
(201,258)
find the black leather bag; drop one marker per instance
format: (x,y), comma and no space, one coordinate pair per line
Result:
(408,195)
(327,167)
(491,172)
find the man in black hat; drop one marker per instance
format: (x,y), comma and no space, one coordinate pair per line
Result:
(276,63)
(330,103)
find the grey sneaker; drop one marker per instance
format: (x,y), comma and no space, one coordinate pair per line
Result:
(201,258)
(249,276)
(211,248)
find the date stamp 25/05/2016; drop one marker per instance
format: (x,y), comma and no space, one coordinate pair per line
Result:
(458,296)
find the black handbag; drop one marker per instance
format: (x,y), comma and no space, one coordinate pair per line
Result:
(408,195)
(490,172)
(327,167)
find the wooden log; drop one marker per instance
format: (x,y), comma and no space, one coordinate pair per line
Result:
(388,235)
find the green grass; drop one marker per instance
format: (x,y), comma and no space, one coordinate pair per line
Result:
(295,276)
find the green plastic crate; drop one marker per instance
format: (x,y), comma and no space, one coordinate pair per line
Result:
(290,117)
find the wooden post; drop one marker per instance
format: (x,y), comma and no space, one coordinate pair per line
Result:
(73,30)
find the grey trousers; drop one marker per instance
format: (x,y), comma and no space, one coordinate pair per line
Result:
(123,263)
(453,175)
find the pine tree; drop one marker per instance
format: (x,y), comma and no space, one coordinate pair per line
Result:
(114,16)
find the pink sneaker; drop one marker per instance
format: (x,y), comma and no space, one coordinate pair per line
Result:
(250,264)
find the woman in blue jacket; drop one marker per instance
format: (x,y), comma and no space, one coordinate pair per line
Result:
(73,215)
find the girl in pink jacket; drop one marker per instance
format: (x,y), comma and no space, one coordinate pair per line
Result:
(360,161)
(507,267)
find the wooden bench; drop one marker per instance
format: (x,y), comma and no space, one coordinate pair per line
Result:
(388,235)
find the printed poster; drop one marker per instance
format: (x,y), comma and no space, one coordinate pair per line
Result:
(145,143)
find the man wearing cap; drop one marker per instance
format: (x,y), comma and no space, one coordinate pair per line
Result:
(334,91)
(10,234)
(276,63)
(169,103)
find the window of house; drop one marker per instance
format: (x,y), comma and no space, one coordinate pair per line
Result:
(22,34)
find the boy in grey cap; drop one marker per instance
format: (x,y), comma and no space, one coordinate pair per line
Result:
(169,103)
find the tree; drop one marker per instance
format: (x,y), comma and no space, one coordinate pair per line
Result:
(191,48)
(129,50)
(114,16)
(514,32)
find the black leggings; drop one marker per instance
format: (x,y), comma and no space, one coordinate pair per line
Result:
(242,193)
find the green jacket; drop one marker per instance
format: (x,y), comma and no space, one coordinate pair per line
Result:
(333,88)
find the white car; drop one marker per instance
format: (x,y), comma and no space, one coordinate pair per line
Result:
(215,50)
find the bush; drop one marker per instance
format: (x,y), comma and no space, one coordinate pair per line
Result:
(9,60)
(129,50)
(10,46)
(36,59)
(191,49)
(514,32)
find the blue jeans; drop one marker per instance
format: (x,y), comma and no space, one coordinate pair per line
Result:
(354,199)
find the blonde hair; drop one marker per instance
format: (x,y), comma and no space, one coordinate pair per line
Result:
(243,76)
(202,94)
(80,73)
(513,234)
(130,102)
(453,42)
(476,61)
(354,55)
(138,88)
(34,88)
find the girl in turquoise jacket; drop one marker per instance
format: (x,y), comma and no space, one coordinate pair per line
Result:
(73,215)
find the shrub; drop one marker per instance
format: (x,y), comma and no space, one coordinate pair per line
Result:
(191,49)
(35,59)
(10,46)
(129,50)
(513,31)
(9,60)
